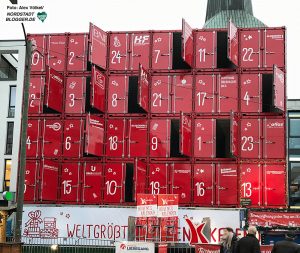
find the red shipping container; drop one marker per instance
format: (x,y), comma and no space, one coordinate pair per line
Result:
(162,50)
(57,52)
(33,138)
(52,138)
(204,181)
(118,94)
(92,183)
(227,183)
(30,183)
(75,95)
(228,93)
(140,50)
(206,48)
(73,138)
(182,93)
(77,52)
(185,137)
(160,94)
(39,46)
(274,138)
(250,48)
(98,47)
(119,51)
(53,94)
(275,185)
(187,43)
(205,138)
(49,180)
(137,137)
(251,138)
(36,89)
(160,137)
(158,178)
(97,90)
(115,174)
(205,93)
(143,87)
(181,182)
(115,144)
(251,93)
(251,184)
(94,135)
(70,182)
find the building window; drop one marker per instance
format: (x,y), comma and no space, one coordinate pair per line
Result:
(294,136)
(9,138)
(8,69)
(7,173)
(295,183)
(12,101)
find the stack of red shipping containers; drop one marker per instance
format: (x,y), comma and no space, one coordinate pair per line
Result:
(198,113)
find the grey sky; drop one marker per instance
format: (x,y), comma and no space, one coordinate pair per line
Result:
(127,15)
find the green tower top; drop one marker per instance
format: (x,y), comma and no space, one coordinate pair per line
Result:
(239,11)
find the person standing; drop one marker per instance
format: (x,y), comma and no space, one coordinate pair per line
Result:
(287,246)
(249,243)
(228,241)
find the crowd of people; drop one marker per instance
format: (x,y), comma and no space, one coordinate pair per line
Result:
(250,244)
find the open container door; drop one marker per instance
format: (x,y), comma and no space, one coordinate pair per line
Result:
(98,49)
(234,127)
(143,82)
(185,135)
(54,90)
(278,83)
(49,180)
(187,43)
(140,176)
(233,43)
(98,85)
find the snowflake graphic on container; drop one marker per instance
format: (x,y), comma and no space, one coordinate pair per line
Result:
(36,227)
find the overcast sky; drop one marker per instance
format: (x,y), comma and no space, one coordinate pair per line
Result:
(121,15)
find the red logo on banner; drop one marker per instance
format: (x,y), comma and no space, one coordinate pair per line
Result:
(167,205)
(146,205)
(196,230)
(206,248)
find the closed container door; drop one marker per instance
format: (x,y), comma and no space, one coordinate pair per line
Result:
(250,46)
(158,176)
(206,45)
(250,142)
(49,180)
(97,90)
(118,51)
(160,94)
(251,93)
(117,94)
(94,135)
(251,184)
(228,93)
(31,181)
(115,138)
(205,138)
(274,48)
(33,138)
(39,46)
(137,133)
(205,93)
(70,182)
(203,184)
(226,193)
(73,137)
(57,52)
(275,185)
(114,183)
(182,94)
(274,138)
(92,183)
(160,138)
(52,138)
(140,50)
(181,182)
(162,51)
(75,95)
(77,52)
(36,89)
